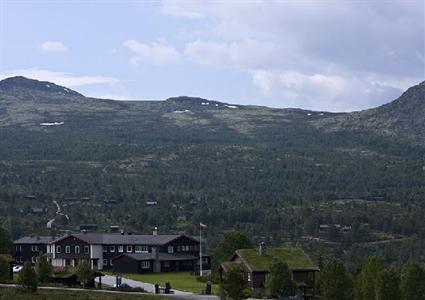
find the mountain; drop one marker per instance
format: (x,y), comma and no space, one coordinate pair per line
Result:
(235,160)
(20,86)
(401,118)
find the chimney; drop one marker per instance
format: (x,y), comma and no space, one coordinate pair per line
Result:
(263,249)
(155,231)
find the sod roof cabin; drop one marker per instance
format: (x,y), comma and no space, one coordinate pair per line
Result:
(255,265)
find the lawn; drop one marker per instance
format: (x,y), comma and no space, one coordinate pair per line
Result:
(13,293)
(182,281)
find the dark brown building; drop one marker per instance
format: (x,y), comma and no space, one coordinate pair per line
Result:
(131,252)
(29,248)
(255,266)
(177,253)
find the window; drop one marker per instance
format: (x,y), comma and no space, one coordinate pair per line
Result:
(204,260)
(145,264)
(105,262)
(67,249)
(77,249)
(170,249)
(86,249)
(58,249)
(129,248)
(22,259)
(112,249)
(18,248)
(34,248)
(141,249)
(166,264)
(105,248)
(187,263)
(121,248)
(110,262)
(248,276)
(33,259)
(179,248)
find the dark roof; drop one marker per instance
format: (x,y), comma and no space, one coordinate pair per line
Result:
(161,256)
(124,239)
(34,240)
(294,257)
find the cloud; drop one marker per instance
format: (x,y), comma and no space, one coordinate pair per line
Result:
(61,78)
(181,9)
(53,46)
(158,54)
(307,54)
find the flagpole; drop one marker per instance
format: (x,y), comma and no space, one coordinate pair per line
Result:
(200,250)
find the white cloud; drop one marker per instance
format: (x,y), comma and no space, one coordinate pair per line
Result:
(341,55)
(181,9)
(158,54)
(61,78)
(327,92)
(244,54)
(53,46)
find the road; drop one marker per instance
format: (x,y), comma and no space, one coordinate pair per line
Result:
(191,297)
(110,280)
(58,212)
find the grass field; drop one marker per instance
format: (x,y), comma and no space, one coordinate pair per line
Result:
(13,293)
(182,281)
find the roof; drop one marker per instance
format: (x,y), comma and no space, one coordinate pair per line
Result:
(230,265)
(124,239)
(34,240)
(161,256)
(296,259)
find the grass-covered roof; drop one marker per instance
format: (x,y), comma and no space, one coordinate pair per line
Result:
(230,265)
(294,257)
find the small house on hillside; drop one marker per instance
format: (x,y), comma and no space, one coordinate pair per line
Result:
(255,266)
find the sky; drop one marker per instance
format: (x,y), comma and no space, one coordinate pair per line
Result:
(319,55)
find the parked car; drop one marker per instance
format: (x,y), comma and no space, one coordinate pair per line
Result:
(17,269)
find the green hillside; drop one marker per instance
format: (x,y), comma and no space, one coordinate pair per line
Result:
(231,166)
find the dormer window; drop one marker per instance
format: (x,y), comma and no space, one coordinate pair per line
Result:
(170,249)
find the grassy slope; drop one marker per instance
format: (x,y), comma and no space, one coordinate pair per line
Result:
(12,293)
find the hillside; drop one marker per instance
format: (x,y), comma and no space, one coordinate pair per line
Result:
(403,117)
(231,166)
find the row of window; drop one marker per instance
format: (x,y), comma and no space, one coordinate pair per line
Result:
(187,248)
(34,248)
(144,264)
(20,259)
(128,248)
(77,249)
(145,249)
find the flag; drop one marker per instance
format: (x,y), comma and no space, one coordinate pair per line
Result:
(203,225)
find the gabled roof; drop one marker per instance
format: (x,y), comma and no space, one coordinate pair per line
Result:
(34,240)
(124,239)
(230,265)
(296,259)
